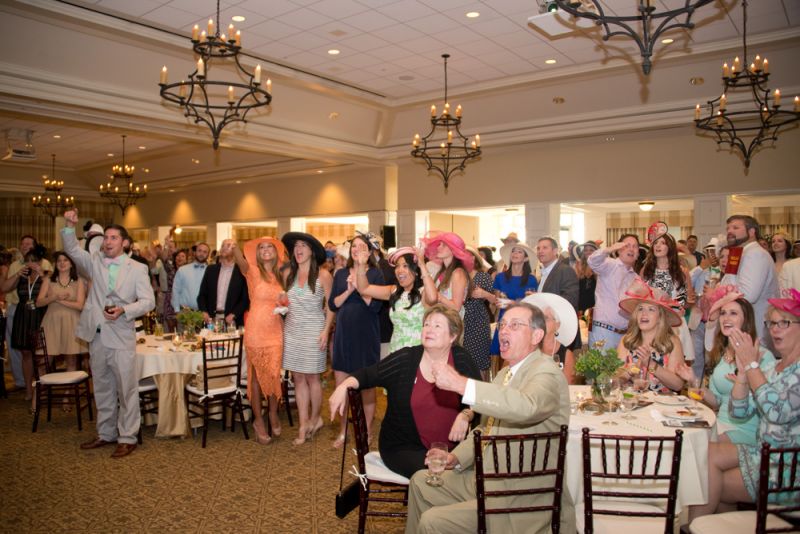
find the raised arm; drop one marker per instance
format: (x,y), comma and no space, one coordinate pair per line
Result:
(82,259)
(430,294)
(362,282)
(241,261)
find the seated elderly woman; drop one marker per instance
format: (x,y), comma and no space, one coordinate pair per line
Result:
(651,351)
(561,321)
(730,313)
(773,390)
(417,412)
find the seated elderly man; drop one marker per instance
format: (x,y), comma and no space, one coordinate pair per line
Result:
(529,395)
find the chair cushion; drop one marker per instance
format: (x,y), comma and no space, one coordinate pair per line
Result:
(377,470)
(65,378)
(612,524)
(211,392)
(147,384)
(733,523)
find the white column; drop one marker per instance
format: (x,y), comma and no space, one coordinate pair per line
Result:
(541,219)
(406,231)
(284,225)
(376,219)
(224,231)
(710,213)
(211,236)
(161,233)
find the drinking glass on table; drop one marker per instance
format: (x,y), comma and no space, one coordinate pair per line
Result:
(437,461)
(695,389)
(629,402)
(176,340)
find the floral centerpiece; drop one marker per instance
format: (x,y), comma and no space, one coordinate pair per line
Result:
(596,365)
(191,321)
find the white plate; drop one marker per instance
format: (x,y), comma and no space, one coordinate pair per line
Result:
(671,400)
(676,414)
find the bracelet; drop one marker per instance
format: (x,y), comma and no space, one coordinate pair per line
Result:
(466,412)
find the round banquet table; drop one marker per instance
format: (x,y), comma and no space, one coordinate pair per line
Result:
(171,368)
(693,475)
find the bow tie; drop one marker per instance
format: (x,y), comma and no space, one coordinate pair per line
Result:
(199,265)
(115,261)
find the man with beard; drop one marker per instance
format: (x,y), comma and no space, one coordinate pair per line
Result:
(186,285)
(755,277)
(223,290)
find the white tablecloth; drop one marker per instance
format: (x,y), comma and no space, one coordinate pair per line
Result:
(693,477)
(161,357)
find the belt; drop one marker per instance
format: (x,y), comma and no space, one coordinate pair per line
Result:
(608,327)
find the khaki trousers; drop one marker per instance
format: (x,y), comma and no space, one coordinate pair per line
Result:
(449,508)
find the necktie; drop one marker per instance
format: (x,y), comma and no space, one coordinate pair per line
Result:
(490,422)
(199,265)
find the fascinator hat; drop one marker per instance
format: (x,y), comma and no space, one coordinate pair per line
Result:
(453,242)
(639,292)
(791,304)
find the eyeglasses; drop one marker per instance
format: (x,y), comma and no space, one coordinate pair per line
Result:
(512,325)
(783,324)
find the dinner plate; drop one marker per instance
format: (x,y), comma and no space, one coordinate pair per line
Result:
(681,414)
(671,400)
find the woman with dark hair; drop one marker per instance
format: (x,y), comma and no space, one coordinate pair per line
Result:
(662,269)
(307,326)
(28,317)
(452,285)
(405,298)
(488,256)
(64,295)
(357,340)
(515,282)
(781,250)
(174,260)
(261,263)
(587,279)
(477,318)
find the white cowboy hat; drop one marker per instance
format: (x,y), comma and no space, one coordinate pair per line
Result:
(567,317)
(505,254)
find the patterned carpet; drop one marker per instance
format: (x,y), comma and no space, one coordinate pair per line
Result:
(50,485)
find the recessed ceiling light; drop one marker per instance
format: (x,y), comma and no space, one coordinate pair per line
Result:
(610,138)
(667,41)
(142,147)
(146,169)
(238,18)
(333,115)
(338,33)
(110,154)
(550,61)
(56,136)
(334,52)
(195,161)
(171,190)
(320,171)
(238,181)
(558,100)
(473,15)
(697,80)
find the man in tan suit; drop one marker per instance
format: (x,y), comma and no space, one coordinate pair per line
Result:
(120,293)
(533,398)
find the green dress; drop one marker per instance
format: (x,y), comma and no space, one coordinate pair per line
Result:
(407,323)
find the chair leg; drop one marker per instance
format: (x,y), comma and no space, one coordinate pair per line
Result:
(363,503)
(238,404)
(49,405)
(78,406)
(205,421)
(37,404)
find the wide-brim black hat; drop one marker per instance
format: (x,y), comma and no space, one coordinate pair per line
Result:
(290,238)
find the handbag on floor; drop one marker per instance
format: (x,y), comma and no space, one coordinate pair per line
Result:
(348,498)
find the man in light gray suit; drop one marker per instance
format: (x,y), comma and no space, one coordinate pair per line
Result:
(120,293)
(530,395)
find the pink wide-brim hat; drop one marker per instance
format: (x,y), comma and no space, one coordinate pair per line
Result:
(453,242)
(402,251)
(790,304)
(639,291)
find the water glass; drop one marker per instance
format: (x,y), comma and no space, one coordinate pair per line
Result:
(437,461)
(695,389)
(629,402)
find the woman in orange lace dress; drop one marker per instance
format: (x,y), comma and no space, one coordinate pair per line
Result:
(263,336)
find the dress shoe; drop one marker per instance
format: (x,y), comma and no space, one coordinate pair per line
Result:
(96,443)
(123,449)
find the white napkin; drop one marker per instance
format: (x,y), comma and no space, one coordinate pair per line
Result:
(280,310)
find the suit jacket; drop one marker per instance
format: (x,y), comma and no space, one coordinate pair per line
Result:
(535,400)
(132,292)
(563,281)
(237,301)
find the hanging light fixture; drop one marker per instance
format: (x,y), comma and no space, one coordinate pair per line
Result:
(646,20)
(207,101)
(746,124)
(53,206)
(450,150)
(120,190)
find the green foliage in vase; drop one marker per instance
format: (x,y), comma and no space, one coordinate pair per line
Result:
(596,363)
(191,319)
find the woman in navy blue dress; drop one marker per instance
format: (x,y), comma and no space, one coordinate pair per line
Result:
(515,282)
(357,340)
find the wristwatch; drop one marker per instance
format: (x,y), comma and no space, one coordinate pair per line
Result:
(751,365)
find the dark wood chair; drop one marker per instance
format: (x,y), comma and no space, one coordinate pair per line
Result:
(536,457)
(148,401)
(287,397)
(70,385)
(3,319)
(782,466)
(218,384)
(630,481)
(380,484)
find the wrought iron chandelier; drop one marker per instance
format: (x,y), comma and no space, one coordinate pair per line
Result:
(121,191)
(206,101)
(745,124)
(451,150)
(57,204)
(651,23)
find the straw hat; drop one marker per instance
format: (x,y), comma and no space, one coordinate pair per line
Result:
(578,250)
(639,291)
(505,254)
(453,242)
(510,239)
(290,238)
(484,263)
(568,319)
(251,249)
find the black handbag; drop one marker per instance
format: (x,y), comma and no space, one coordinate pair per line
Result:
(349,497)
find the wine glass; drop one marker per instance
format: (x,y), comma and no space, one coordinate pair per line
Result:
(437,461)
(176,340)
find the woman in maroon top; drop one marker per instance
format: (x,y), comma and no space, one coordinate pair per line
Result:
(417,412)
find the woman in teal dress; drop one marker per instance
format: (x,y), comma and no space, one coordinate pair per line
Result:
(730,313)
(772,390)
(405,299)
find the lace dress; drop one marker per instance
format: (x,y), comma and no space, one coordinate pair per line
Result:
(407,323)
(263,333)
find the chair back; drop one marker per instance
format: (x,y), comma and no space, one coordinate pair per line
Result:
(645,455)
(538,457)
(41,360)
(779,482)
(222,362)
(359,422)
